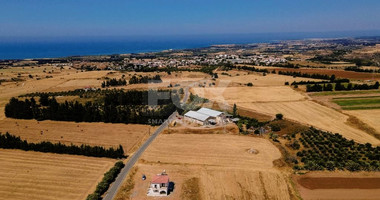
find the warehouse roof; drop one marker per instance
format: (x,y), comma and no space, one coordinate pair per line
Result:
(197,115)
(209,112)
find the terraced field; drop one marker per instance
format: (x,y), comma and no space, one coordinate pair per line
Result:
(44,176)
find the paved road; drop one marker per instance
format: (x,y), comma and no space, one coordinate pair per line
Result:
(112,191)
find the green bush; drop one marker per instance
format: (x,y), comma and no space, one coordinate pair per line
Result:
(109,177)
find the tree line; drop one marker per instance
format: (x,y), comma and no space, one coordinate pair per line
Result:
(358,69)
(341,87)
(306,75)
(8,141)
(145,79)
(320,82)
(117,107)
(104,184)
(114,82)
(247,68)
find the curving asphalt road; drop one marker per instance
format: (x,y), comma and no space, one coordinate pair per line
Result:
(112,191)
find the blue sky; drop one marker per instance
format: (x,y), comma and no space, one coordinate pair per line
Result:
(183,17)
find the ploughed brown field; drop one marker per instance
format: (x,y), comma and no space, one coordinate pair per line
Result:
(338,185)
(313,183)
(28,175)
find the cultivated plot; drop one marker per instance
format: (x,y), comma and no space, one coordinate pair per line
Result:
(33,175)
(221,165)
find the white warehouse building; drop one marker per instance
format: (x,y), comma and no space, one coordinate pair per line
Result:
(205,116)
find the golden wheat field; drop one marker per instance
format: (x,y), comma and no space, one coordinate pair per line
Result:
(221,164)
(314,114)
(257,79)
(238,95)
(45,176)
(99,134)
(370,117)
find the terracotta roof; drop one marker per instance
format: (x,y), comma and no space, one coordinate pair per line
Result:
(160,179)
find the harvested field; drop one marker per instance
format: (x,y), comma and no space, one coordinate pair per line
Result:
(103,134)
(339,185)
(314,114)
(257,79)
(34,175)
(370,117)
(294,106)
(222,150)
(338,73)
(231,95)
(211,160)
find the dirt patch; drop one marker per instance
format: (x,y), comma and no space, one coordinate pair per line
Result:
(128,185)
(339,183)
(228,129)
(191,189)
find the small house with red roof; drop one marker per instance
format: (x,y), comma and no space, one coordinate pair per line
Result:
(159,186)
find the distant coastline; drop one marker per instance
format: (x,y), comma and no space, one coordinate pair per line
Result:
(24,48)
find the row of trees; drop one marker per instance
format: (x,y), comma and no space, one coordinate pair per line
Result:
(306,75)
(320,82)
(88,112)
(249,68)
(145,79)
(358,69)
(109,177)
(77,92)
(115,106)
(350,86)
(319,87)
(8,141)
(340,87)
(114,82)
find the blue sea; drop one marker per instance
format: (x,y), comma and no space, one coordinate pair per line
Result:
(54,47)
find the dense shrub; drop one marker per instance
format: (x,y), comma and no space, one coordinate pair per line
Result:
(109,177)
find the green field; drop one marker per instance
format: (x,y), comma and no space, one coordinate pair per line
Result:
(345,92)
(358,103)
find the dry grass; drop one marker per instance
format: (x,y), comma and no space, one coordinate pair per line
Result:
(370,117)
(257,79)
(126,189)
(34,175)
(103,134)
(221,165)
(231,95)
(191,189)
